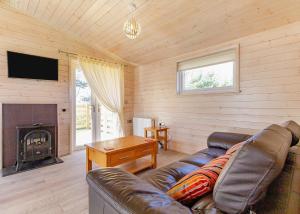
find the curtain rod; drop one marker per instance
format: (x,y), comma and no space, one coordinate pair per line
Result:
(94,58)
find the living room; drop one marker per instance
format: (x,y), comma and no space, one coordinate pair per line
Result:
(124,104)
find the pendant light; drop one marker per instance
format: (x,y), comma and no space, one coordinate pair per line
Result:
(131,27)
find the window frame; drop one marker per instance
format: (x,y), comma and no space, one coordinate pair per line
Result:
(230,89)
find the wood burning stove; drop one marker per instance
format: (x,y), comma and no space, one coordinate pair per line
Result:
(34,143)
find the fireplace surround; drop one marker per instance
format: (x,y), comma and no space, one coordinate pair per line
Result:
(29,137)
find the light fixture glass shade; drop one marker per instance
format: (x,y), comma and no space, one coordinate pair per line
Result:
(132,28)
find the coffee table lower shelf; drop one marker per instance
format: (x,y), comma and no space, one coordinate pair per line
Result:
(136,165)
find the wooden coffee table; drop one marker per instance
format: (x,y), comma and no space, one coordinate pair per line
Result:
(125,153)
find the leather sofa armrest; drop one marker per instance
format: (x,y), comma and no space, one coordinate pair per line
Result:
(127,193)
(225,140)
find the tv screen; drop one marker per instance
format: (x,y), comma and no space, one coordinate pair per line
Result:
(31,67)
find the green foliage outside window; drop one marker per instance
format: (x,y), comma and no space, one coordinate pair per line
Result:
(207,81)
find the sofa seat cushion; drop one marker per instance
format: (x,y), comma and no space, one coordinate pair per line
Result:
(198,159)
(204,156)
(214,152)
(117,191)
(166,177)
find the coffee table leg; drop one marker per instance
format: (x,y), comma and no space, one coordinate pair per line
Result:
(154,162)
(165,140)
(153,156)
(88,161)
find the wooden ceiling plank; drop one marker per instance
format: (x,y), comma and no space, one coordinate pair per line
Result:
(22,4)
(120,12)
(191,25)
(50,9)
(152,24)
(169,28)
(90,12)
(96,16)
(109,18)
(32,5)
(162,28)
(139,51)
(69,12)
(7,2)
(163,17)
(128,50)
(79,13)
(41,8)
(15,3)
(113,21)
(59,12)
(185,45)
(117,27)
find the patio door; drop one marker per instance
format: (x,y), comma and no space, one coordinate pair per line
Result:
(93,122)
(84,111)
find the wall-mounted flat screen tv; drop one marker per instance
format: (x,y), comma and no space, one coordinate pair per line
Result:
(31,67)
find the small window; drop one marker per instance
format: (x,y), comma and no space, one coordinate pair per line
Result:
(217,72)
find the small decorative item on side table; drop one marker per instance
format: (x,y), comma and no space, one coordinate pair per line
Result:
(156,131)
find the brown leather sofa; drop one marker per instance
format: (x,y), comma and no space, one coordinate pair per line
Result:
(256,178)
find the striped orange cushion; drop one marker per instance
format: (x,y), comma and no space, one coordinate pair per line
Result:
(234,148)
(201,181)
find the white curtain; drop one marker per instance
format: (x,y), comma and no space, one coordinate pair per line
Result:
(106,81)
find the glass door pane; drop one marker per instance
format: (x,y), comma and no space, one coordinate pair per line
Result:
(94,122)
(108,124)
(84,110)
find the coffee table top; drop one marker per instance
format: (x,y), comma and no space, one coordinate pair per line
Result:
(118,144)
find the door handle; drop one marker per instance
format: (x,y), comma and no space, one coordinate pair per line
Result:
(93,108)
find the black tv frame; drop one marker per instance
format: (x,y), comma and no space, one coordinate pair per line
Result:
(33,65)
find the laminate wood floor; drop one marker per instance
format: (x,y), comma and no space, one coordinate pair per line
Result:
(55,189)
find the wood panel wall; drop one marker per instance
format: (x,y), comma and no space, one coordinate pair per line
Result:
(23,34)
(269,83)
(128,93)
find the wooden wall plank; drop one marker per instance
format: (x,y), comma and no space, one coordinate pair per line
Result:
(21,33)
(270,91)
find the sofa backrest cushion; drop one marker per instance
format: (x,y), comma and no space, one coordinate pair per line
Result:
(225,140)
(294,128)
(249,172)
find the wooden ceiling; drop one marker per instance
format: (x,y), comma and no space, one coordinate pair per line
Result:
(169,27)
